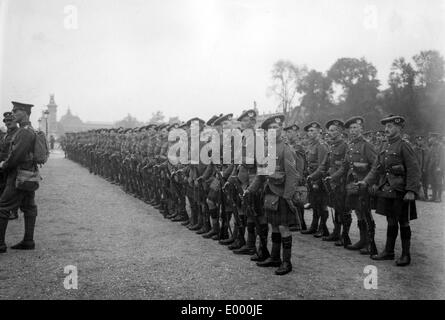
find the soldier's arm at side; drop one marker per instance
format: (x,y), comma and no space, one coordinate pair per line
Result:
(372,175)
(22,145)
(322,152)
(292,176)
(256,183)
(413,173)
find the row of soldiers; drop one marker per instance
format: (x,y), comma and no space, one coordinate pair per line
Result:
(234,204)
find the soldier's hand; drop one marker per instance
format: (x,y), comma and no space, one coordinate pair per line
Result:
(362,184)
(246,193)
(409,196)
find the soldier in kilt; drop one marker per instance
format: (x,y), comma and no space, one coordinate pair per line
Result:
(279,189)
(397,174)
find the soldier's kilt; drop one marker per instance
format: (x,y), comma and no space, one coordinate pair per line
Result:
(282,217)
(397,208)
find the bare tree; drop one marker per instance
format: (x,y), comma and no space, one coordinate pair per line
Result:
(286,77)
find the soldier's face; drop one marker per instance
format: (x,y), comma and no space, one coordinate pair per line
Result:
(292,135)
(19,114)
(10,124)
(277,127)
(226,124)
(355,130)
(247,123)
(334,131)
(392,130)
(313,133)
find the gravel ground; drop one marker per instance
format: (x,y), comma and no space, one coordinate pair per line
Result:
(124,249)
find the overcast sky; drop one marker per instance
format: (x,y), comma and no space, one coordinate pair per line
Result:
(192,57)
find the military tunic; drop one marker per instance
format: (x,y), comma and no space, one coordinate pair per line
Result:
(19,157)
(396,171)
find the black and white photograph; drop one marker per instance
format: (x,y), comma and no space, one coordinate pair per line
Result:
(201,152)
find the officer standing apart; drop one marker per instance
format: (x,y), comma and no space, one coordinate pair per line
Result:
(19,158)
(398,175)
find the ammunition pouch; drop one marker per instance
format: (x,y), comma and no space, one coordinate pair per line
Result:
(352,189)
(300,197)
(277,178)
(397,170)
(360,167)
(271,202)
(27,180)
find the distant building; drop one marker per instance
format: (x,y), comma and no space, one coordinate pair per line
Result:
(67,123)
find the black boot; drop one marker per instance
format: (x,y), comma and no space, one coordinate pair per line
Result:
(286,266)
(345,240)
(206,227)
(323,229)
(224,230)
(213,213)
(185,215)
(313,228)
(405,236)
(240,240)
(3,226)
(215,229)
(274,259)
(303,223)
(370,248)
(196,223)
(361,243)
(263,252)
(388,252)
(28,239)
(231,239)
(249,248)
(335,235)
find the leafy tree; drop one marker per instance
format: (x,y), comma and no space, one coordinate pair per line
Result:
(430,67)
(316,92)
(357,79)
(156,117)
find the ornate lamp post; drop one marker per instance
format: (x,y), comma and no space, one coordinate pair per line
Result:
(45,115)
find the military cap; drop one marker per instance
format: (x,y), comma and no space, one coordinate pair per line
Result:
(212,119)
(313,124)
(183,125)
(279,118)
(227,117)
(292,127)
(434,135)
(354,120)
(21,106)
(173,126)
(8,116)
(201,122)
(398,120)
(335,122)
(163,126)
(249,113)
